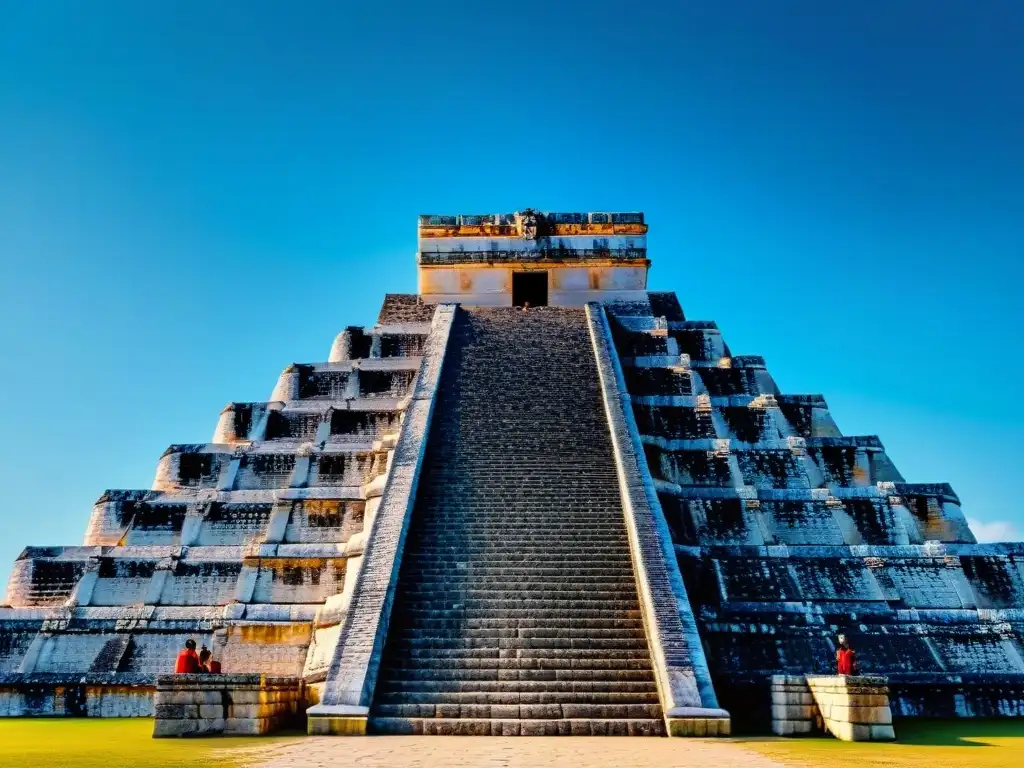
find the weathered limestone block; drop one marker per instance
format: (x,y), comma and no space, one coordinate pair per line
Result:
(853,707)
(794,712)
(196,705)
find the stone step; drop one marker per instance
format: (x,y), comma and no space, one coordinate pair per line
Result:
(458,581)
(565,532)
(513,727)
(527,603)
(457,655)
(544,558)
(527,633)
(532,546)
(527,545)
(555,662)
(534,593)
(427,621)
(518,612)
(524,711)
(620,643)
(541,526)
(517,686)
(528,697)
(504,675)
(497,572)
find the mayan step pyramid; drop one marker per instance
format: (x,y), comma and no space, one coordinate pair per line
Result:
(533,499)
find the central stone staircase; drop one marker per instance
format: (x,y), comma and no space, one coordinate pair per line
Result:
(517,609)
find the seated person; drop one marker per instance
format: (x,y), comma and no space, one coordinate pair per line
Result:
(188,661)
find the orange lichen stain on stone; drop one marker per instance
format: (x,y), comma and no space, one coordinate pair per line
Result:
(476,230)
(860,475)
(465,280)
(319,507)
(123,690)
(279,563)
(594,279)
(272,634)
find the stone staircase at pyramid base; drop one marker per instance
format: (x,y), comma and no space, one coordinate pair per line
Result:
(516,611)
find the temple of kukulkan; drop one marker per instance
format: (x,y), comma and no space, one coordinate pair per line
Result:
(534,498)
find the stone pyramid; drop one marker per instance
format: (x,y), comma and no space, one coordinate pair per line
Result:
(587,516)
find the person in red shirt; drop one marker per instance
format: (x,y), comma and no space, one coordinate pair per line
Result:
(846,658)
(206,662)
(188,659)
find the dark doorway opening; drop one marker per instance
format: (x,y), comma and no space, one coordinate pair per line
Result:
(530,287)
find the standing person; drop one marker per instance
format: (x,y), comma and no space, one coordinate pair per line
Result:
(188,659)
(846,658)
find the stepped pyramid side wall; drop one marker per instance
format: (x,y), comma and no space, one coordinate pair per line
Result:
(789,533)
(249,543)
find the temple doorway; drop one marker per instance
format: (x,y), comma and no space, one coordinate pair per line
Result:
(530,287)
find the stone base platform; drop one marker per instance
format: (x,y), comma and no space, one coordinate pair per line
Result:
(853,707)
(850,707)
(205,705)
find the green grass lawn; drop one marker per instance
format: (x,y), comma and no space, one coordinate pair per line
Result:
(919,744)
(116,743)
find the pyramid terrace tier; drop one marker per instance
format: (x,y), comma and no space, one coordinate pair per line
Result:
(195,469)
(887,513)
(987,579)
(769,463)
(133,645)
(227,518)
(308,421)
(292,574)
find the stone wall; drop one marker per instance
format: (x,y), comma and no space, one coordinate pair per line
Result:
(52,696)
(204,705)
(483,285)
(794,712)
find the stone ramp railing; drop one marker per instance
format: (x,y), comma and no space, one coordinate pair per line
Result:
(351,677)
(680,667)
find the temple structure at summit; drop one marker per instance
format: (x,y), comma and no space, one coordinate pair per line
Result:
(534,498)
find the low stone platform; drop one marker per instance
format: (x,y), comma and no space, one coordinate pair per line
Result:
(204,705)
(853,707)
(850,707)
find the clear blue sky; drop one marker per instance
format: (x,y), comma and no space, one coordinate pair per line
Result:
(193,197)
